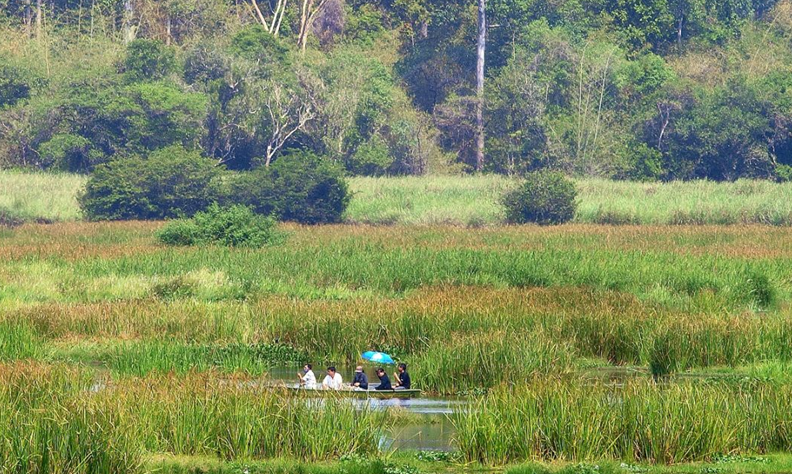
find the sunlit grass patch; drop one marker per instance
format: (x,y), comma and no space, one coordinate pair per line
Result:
(31,197)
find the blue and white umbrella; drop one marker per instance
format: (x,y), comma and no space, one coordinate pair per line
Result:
(378,357)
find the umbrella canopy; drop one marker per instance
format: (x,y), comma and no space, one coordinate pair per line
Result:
(379,357)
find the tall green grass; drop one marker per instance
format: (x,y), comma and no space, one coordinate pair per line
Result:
(18,340)
(344,269)
(428,200)
(468,200)
(475,200)
(638,421)
(54,419)
(455,339)
(43,197)
(50,423)
(471,363)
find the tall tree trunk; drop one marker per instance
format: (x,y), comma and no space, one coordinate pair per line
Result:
(302,39)
(679,32)
(129,29)
(480,52)
(39,19)
(29,17)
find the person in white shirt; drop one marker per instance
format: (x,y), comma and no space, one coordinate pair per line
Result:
(307,377)
(333,380)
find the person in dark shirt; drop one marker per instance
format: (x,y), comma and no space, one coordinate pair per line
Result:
(385,383)
(360,381)
(402,377)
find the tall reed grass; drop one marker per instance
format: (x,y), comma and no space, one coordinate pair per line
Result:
(638,421)
(143,357)
(455,338)
(49,423)
(55,419)
(345,267)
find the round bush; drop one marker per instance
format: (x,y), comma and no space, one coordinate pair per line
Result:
(545,197)
(298,187)
(172,182)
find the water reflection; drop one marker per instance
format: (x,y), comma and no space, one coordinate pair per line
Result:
(431,431)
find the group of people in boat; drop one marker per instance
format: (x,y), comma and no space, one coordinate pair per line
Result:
(334,381)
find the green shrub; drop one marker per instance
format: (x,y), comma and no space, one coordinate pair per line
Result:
(67,152)
(372,158)
(299,187)
(172,182)
(15,84)
(234,226)
(148,60)
(546,197)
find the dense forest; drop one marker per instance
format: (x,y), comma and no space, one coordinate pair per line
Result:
(626,89)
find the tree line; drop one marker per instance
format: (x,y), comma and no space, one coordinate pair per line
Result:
(626,89)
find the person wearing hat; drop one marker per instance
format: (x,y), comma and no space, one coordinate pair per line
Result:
(360,381)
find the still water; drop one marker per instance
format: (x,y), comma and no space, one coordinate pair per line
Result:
(432,431)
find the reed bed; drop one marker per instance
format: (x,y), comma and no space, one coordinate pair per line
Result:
(639,421)
(527,314)
(456,339)
(48,424)
(55,419)
(140,358)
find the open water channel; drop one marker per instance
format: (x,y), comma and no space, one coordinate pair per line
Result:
(432,430)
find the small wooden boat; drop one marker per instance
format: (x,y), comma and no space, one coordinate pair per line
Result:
(370,393)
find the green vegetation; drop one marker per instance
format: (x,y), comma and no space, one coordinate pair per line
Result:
(626,89)
(545,197)
(637,422)
(475,201)
(151,353)
(235,226)
(173,182)
(31,197)
(52,423)
(170,183)
(575,345)
(299,187)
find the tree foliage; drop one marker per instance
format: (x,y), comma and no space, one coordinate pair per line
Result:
(629,89)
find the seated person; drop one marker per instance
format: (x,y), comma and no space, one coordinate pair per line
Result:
(361,380)
(333,380)
(307,377)
(385,383)
(402,378)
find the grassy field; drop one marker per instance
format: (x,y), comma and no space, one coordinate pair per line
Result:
(32,197)
(474,201)
(533,325)
(471,201)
